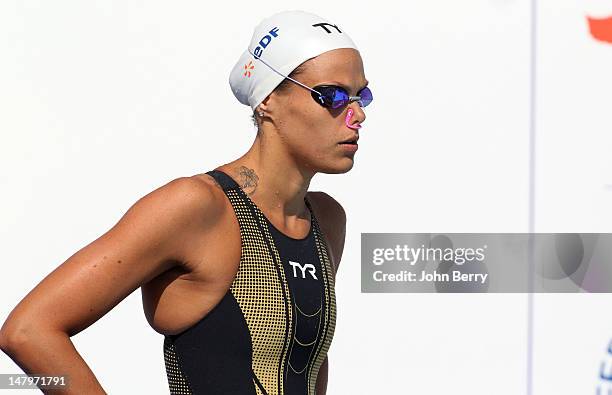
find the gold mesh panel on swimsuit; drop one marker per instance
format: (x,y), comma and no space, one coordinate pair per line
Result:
(260,294)
(176,380)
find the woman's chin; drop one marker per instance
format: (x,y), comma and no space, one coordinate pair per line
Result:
(338,167)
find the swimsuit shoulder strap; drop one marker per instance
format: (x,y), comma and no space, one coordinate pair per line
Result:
(223,179)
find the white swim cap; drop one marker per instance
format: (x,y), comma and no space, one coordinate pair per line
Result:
(280,43)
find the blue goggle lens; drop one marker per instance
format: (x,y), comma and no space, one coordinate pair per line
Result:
(336,97)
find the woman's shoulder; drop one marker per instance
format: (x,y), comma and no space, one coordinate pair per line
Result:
(332,219)
(187,196)
(327,205)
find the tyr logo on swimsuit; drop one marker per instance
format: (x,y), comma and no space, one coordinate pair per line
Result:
(312,269)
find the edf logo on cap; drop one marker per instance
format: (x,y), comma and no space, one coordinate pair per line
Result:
(265,40)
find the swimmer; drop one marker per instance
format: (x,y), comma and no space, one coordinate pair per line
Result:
(237,264)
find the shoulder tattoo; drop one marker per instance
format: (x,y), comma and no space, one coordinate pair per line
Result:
(247,179)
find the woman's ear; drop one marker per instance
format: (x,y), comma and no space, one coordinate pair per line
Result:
(263,107)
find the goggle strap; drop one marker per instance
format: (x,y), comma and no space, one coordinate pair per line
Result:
(282,75)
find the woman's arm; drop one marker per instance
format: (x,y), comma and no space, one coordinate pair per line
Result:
(321,386)
(148,240)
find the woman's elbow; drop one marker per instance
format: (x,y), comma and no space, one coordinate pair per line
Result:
(15,334)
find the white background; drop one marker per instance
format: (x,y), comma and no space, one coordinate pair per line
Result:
(103,101)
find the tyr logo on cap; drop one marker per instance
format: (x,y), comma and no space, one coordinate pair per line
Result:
(324,24)
(265,40)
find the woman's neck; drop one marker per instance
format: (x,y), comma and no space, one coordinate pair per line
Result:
(272,179)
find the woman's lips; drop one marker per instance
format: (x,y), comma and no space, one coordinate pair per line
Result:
(350,147)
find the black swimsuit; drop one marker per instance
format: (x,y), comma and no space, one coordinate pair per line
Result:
(271,331)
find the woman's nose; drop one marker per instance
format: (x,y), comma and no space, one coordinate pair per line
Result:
(348,120)
(354,118)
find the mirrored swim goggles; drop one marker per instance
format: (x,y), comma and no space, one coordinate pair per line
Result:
(331,96)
